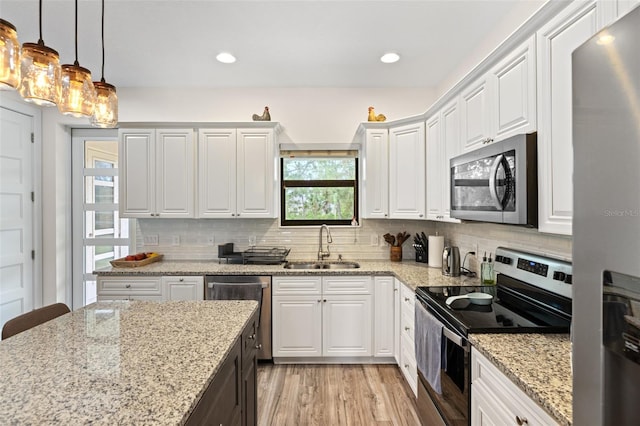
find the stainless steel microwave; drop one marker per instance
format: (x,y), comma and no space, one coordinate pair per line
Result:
(497,183)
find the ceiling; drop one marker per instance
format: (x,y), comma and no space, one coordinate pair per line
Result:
(294,43)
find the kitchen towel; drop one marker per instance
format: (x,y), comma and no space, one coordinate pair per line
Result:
(428,340)
(436,246)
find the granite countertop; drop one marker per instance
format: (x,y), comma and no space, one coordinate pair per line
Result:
(412,274)
(118,362)
(540,364)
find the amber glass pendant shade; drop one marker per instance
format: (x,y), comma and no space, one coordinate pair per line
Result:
(105,113)
(77,92)
(9,56)
(39,74)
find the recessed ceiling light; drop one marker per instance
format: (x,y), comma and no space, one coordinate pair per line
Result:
(226,58)
(389,58)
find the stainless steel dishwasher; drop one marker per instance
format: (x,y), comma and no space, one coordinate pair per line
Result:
(246,287)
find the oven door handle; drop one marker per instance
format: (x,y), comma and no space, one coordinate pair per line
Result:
(455,338)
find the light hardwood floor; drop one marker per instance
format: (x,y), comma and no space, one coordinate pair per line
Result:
(336,395)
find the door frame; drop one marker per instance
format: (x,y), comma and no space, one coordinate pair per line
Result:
(11,101)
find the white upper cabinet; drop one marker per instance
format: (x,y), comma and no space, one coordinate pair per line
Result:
(443,142)
(625,6)
(236,173)
(502,102)
(514,91)
(375,174)
(556,41)
(157,173)
(407,171)
(476,114)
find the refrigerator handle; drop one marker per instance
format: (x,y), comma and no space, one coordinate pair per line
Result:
(492,182)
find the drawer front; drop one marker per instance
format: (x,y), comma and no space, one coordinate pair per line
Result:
(487,378)
(296,285)
(408,364)
(347,285)
(142,286)
(407,300)
(407,326)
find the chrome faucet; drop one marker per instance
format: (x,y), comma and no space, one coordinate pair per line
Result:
(323,254)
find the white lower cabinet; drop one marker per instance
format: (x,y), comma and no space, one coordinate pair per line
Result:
(407,337)
(384,324)
(150,288)
(183,288)
(322,316)
(496,400)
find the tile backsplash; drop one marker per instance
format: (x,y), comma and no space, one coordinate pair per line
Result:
(192,238)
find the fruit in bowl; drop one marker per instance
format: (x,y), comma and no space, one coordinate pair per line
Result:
(139,256)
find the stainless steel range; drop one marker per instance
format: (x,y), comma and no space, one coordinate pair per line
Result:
(532,295)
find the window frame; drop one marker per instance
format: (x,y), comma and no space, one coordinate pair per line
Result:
(354,183)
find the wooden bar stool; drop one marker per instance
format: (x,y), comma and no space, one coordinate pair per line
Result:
(31,319)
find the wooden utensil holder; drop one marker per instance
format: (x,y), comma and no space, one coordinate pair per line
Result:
(395,253)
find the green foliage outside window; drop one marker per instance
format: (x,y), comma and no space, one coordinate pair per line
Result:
(319,190)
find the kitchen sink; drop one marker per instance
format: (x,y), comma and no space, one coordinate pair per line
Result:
(322,265)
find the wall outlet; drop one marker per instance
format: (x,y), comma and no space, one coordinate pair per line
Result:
(211,239)
(151,240)
(175,240)
(374,240)
(252,240)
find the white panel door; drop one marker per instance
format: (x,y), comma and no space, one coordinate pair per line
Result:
(175,173)
(383,317)
(216,173)
(556,41)
(297,326)
(407,176)
(137,172)
(16,215)
(255,174)
(375,181)
(450,140)
(347,325)
(476,110)
(514,92)
(434,168)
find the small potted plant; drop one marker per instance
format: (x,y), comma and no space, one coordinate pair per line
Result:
(395,252)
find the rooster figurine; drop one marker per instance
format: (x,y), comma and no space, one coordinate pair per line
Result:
(264,117)
(374,117)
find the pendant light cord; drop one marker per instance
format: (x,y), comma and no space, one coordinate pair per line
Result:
(76,61)
(40,23)
(102,76)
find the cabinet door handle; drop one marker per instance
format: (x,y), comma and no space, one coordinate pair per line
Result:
(406,299)
(407,328)
(521,421)
(127,286)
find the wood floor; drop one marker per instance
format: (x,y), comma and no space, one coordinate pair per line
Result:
(336,395)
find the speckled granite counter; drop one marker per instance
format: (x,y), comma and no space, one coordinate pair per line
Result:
(539,364)
(410,273)
(118,362)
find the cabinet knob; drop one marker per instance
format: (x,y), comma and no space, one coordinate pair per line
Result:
(238,215)
(324,300)
(406,299)
(181,280)
(233,214)
(258,347)
(385,215)
(252,337)
(420,215)
(407,328)
(521,421)
(127,285)
(406,366)
(319,300)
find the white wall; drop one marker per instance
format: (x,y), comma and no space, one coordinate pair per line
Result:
(524,10)
(307,114)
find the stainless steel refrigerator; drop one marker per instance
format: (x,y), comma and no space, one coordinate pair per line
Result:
(606,227)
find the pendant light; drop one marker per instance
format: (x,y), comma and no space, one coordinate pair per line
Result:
(39,72)
(77,92)
(9,56)
(105,113)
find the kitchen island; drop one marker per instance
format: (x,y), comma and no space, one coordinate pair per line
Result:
(124,362)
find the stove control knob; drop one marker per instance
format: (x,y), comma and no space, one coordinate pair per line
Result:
(499,258)
(504,259)
(569,279)
(559,276)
